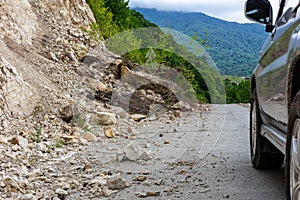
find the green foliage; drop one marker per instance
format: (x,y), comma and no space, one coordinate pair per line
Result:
(124,42)
(237,90)
(37,135)
(59,143)
(105,25)
(234,47)
(115,17)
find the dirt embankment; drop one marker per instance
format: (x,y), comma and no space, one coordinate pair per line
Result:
(60,93)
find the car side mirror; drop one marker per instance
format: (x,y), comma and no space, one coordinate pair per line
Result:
(260,11)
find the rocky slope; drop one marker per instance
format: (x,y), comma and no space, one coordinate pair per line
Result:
(41,53)
(56,86)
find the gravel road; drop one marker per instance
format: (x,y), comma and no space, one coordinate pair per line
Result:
(197,156)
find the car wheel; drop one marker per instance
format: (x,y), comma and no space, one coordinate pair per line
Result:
(292,168)
(263,154)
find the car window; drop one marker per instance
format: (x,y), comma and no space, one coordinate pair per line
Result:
(285,17)
(287,12)
(290,4)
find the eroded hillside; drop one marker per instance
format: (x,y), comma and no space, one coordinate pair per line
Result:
(56,91)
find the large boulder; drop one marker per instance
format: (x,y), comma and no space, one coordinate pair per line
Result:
(16,96)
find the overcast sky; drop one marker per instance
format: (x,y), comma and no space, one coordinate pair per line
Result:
(230,10)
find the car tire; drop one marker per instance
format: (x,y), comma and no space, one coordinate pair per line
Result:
(292,168)
(263,153)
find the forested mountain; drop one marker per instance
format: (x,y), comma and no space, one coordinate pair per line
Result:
(234,47)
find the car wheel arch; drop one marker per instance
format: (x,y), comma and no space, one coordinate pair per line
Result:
(293,78)
(294,113)
(253,84)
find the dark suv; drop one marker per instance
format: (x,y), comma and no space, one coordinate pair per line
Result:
(275,89)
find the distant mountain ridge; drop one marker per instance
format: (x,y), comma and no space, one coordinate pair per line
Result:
(234,47)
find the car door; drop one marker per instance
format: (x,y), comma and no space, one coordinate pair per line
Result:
(272,73)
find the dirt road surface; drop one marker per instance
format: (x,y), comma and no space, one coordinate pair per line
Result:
(198,156)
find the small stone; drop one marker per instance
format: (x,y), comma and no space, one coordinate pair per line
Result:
(39,195)
(60,191)
(99,86)
(172,117)
(166,142)
(117,61)
(115,183)
(105,118)
(66,128)
(124,70)
(140,178)
(131,153)
(42,147)
(107,192)
(129,130)
(158,182)
(141,194)
(89,137)
(153,194)
(27,197)
(109,132)
(15,148)
(3,139)
(23,170)
(182,106)
(138,117)
(147,145)
(146,173)
(144,156)
(82,141)
(97,181)
(19,140)
(177,113)
(66,113)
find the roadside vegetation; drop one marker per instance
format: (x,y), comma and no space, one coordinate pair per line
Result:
(237,90)
(113,17)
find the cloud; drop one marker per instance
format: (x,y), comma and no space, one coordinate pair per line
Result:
(230,10)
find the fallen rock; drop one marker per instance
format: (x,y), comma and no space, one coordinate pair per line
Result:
(3,139)
(140,178)
(131,153)
(89,137)
(19,140)
(107,192)
(141,194)
(115,183)
(183,106)
(66,113)
(61,191)
(124,70)
(105,118)
(100,181)
(153,194)
(109,132)
(145,156)
(82,141)
(138,117)
(99,86)
(20,98)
